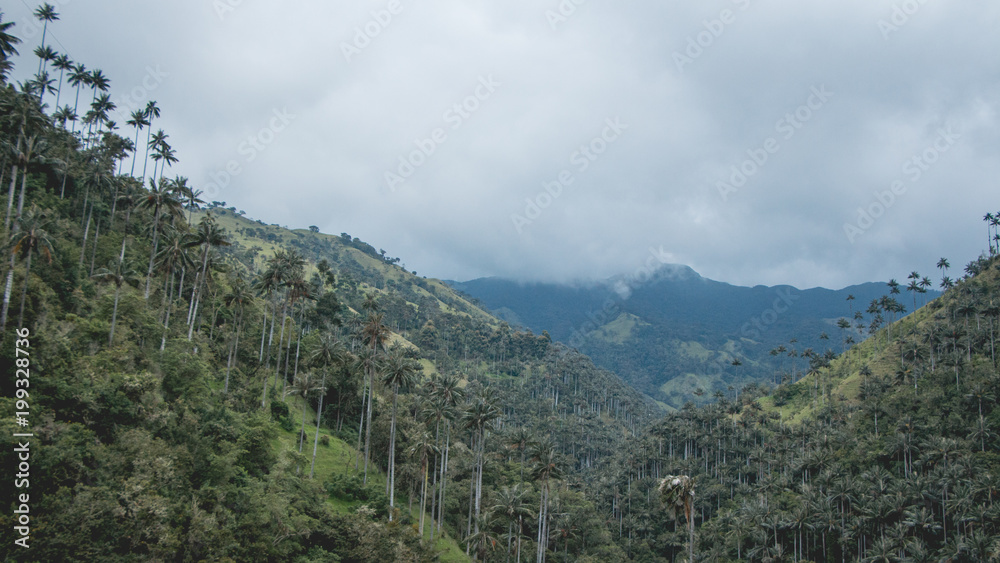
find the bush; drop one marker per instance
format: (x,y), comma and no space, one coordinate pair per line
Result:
(281,415)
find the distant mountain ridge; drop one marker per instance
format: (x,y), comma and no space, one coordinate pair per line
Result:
(674,334)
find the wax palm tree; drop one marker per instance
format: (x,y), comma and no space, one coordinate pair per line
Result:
(547,468)
(479,418)
(397,371)
(63,63)
(239,297)
(519,440)
(208,235)
(677,493)
(62,115)
(329,352)
(447,391)
(152,112)
(509,503)
(137,120)
(303,386)
(169,259)
(41,85)
(422,447)
(32,237)
(7,41)
(160,199)
(374,334)
(45,13)
(78,77)
(119,274)
(193,200)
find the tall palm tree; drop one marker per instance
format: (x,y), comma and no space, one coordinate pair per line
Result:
(375,334)
(510,504)
(63,63)
(160,199)
(32,237)
(397,371)
(329,352)
(119,275)
(45,13)
(677,492)
(239,297)
(138,120)
(7,41)
(41,85)
(446,390)
(78,77)
(546,469)
(172,257)
(152,112)
(303,386)
(422,446)
(208,236)
(479,417)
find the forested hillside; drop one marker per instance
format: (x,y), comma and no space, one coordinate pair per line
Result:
(193,385)
(886,453)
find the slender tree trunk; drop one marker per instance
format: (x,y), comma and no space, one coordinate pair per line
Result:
(319,414)
(156,232)
(234,352)
(93,253)
(392,458)
(10,194)
(24,288)
(86,232)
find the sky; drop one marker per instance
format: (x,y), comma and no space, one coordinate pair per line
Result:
(811,143)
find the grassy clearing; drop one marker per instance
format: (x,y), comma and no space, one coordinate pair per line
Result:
(339,458)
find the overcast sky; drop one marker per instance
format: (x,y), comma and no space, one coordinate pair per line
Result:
(739,137)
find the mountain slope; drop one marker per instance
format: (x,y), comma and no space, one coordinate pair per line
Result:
(675,335)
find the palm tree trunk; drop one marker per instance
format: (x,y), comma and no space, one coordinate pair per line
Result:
(86,232)
(156,232)
(114,314)
(233,352)
(10,195)
(93,253)
(24,288)
(302,432)
(319,414)
(423,499)
(392,457)
(368,420)
(444,474)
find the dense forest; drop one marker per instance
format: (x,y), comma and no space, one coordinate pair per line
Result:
(194,385)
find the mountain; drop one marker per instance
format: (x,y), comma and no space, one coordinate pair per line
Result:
(675,334)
